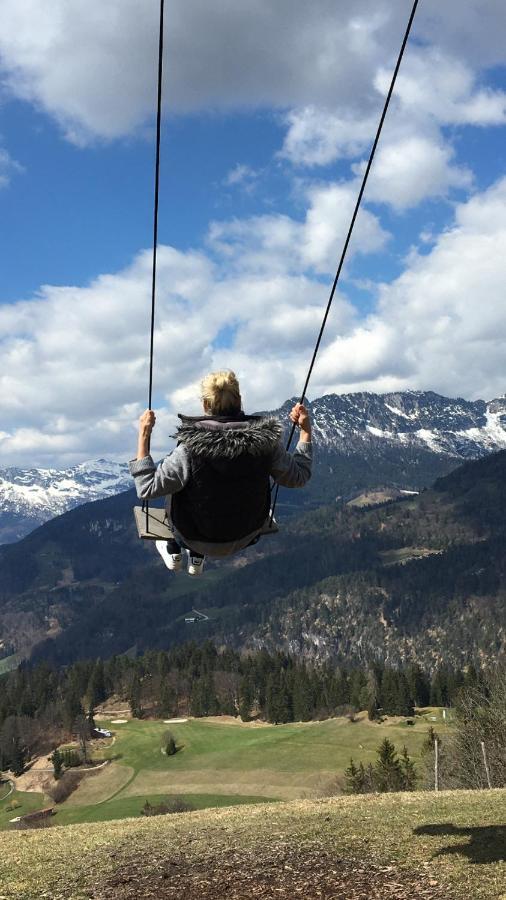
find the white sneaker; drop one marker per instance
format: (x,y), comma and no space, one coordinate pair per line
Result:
(195,565)
(173,561)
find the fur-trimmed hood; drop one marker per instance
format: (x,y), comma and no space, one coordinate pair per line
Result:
(221,437)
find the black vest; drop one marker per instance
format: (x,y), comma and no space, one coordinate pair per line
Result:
(227,495)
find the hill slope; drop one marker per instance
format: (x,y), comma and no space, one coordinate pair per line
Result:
(330,585)
(448,846)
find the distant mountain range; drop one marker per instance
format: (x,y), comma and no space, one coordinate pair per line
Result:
(29,497)
(402,440)
(423,420)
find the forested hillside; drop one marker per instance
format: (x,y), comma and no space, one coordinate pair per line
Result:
(421,579)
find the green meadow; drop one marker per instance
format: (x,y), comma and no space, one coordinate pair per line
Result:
(222,762)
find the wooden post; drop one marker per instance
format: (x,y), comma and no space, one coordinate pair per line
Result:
(436,764)
(485,763)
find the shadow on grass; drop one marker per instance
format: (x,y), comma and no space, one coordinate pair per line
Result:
(486,844)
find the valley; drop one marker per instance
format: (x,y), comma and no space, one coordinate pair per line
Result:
(221,761)
(329,586)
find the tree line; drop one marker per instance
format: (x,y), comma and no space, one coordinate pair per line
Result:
(41,705)
(472,755)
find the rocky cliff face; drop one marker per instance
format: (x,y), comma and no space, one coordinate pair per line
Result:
(462,429)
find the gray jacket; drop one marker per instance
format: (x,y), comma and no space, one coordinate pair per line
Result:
(171,475)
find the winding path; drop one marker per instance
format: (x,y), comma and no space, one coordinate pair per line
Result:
(9,792)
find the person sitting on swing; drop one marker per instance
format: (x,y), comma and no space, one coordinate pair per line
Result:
(217,477)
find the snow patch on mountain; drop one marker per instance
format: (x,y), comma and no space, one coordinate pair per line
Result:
(29,497)
(462,429)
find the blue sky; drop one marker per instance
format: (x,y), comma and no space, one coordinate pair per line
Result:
(268,120)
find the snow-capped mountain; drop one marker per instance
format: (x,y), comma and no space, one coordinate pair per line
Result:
(392,433)
(29,497)
(462,429)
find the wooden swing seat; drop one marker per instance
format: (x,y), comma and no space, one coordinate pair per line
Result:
(157,527)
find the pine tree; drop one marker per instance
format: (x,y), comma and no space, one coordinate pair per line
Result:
(167,702)
(18,758)
(408,769)
(135,697)
(245,699)
(83,731)
(12,749)
(419,686)
(276,701)
(373,713)
(72,707)
(96,687)
(388,774)
(352,778)
(432,737)
(439,688)
(57,759)
(389,692)
(203,699)
(302,696)
(404,702)
(369,696)
(170,746)
(357,682)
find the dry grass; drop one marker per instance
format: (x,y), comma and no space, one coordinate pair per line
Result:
(257,782)
(450,845)
(101,786)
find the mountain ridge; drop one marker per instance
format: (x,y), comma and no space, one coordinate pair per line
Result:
(30,497)
(403,439)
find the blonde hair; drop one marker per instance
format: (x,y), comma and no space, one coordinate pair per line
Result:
(220,393)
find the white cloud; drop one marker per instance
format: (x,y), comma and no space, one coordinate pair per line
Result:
(73,374)
(327,223)
(412,169)
(241,176)
(436,86)
(442,323)
(278,243)
(8,166)
(415,159)
(318,136)
(93,66)
(74,360)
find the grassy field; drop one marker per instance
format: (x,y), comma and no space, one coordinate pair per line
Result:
(406,846)
(224,761)
(18,804)
(8,663)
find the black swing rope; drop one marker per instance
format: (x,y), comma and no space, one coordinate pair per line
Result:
(155,221)
(350,231)
(345,246)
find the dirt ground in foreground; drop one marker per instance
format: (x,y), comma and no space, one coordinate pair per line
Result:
(285,874)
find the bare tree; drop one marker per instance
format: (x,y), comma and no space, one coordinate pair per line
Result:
(82,729)
(481,720)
